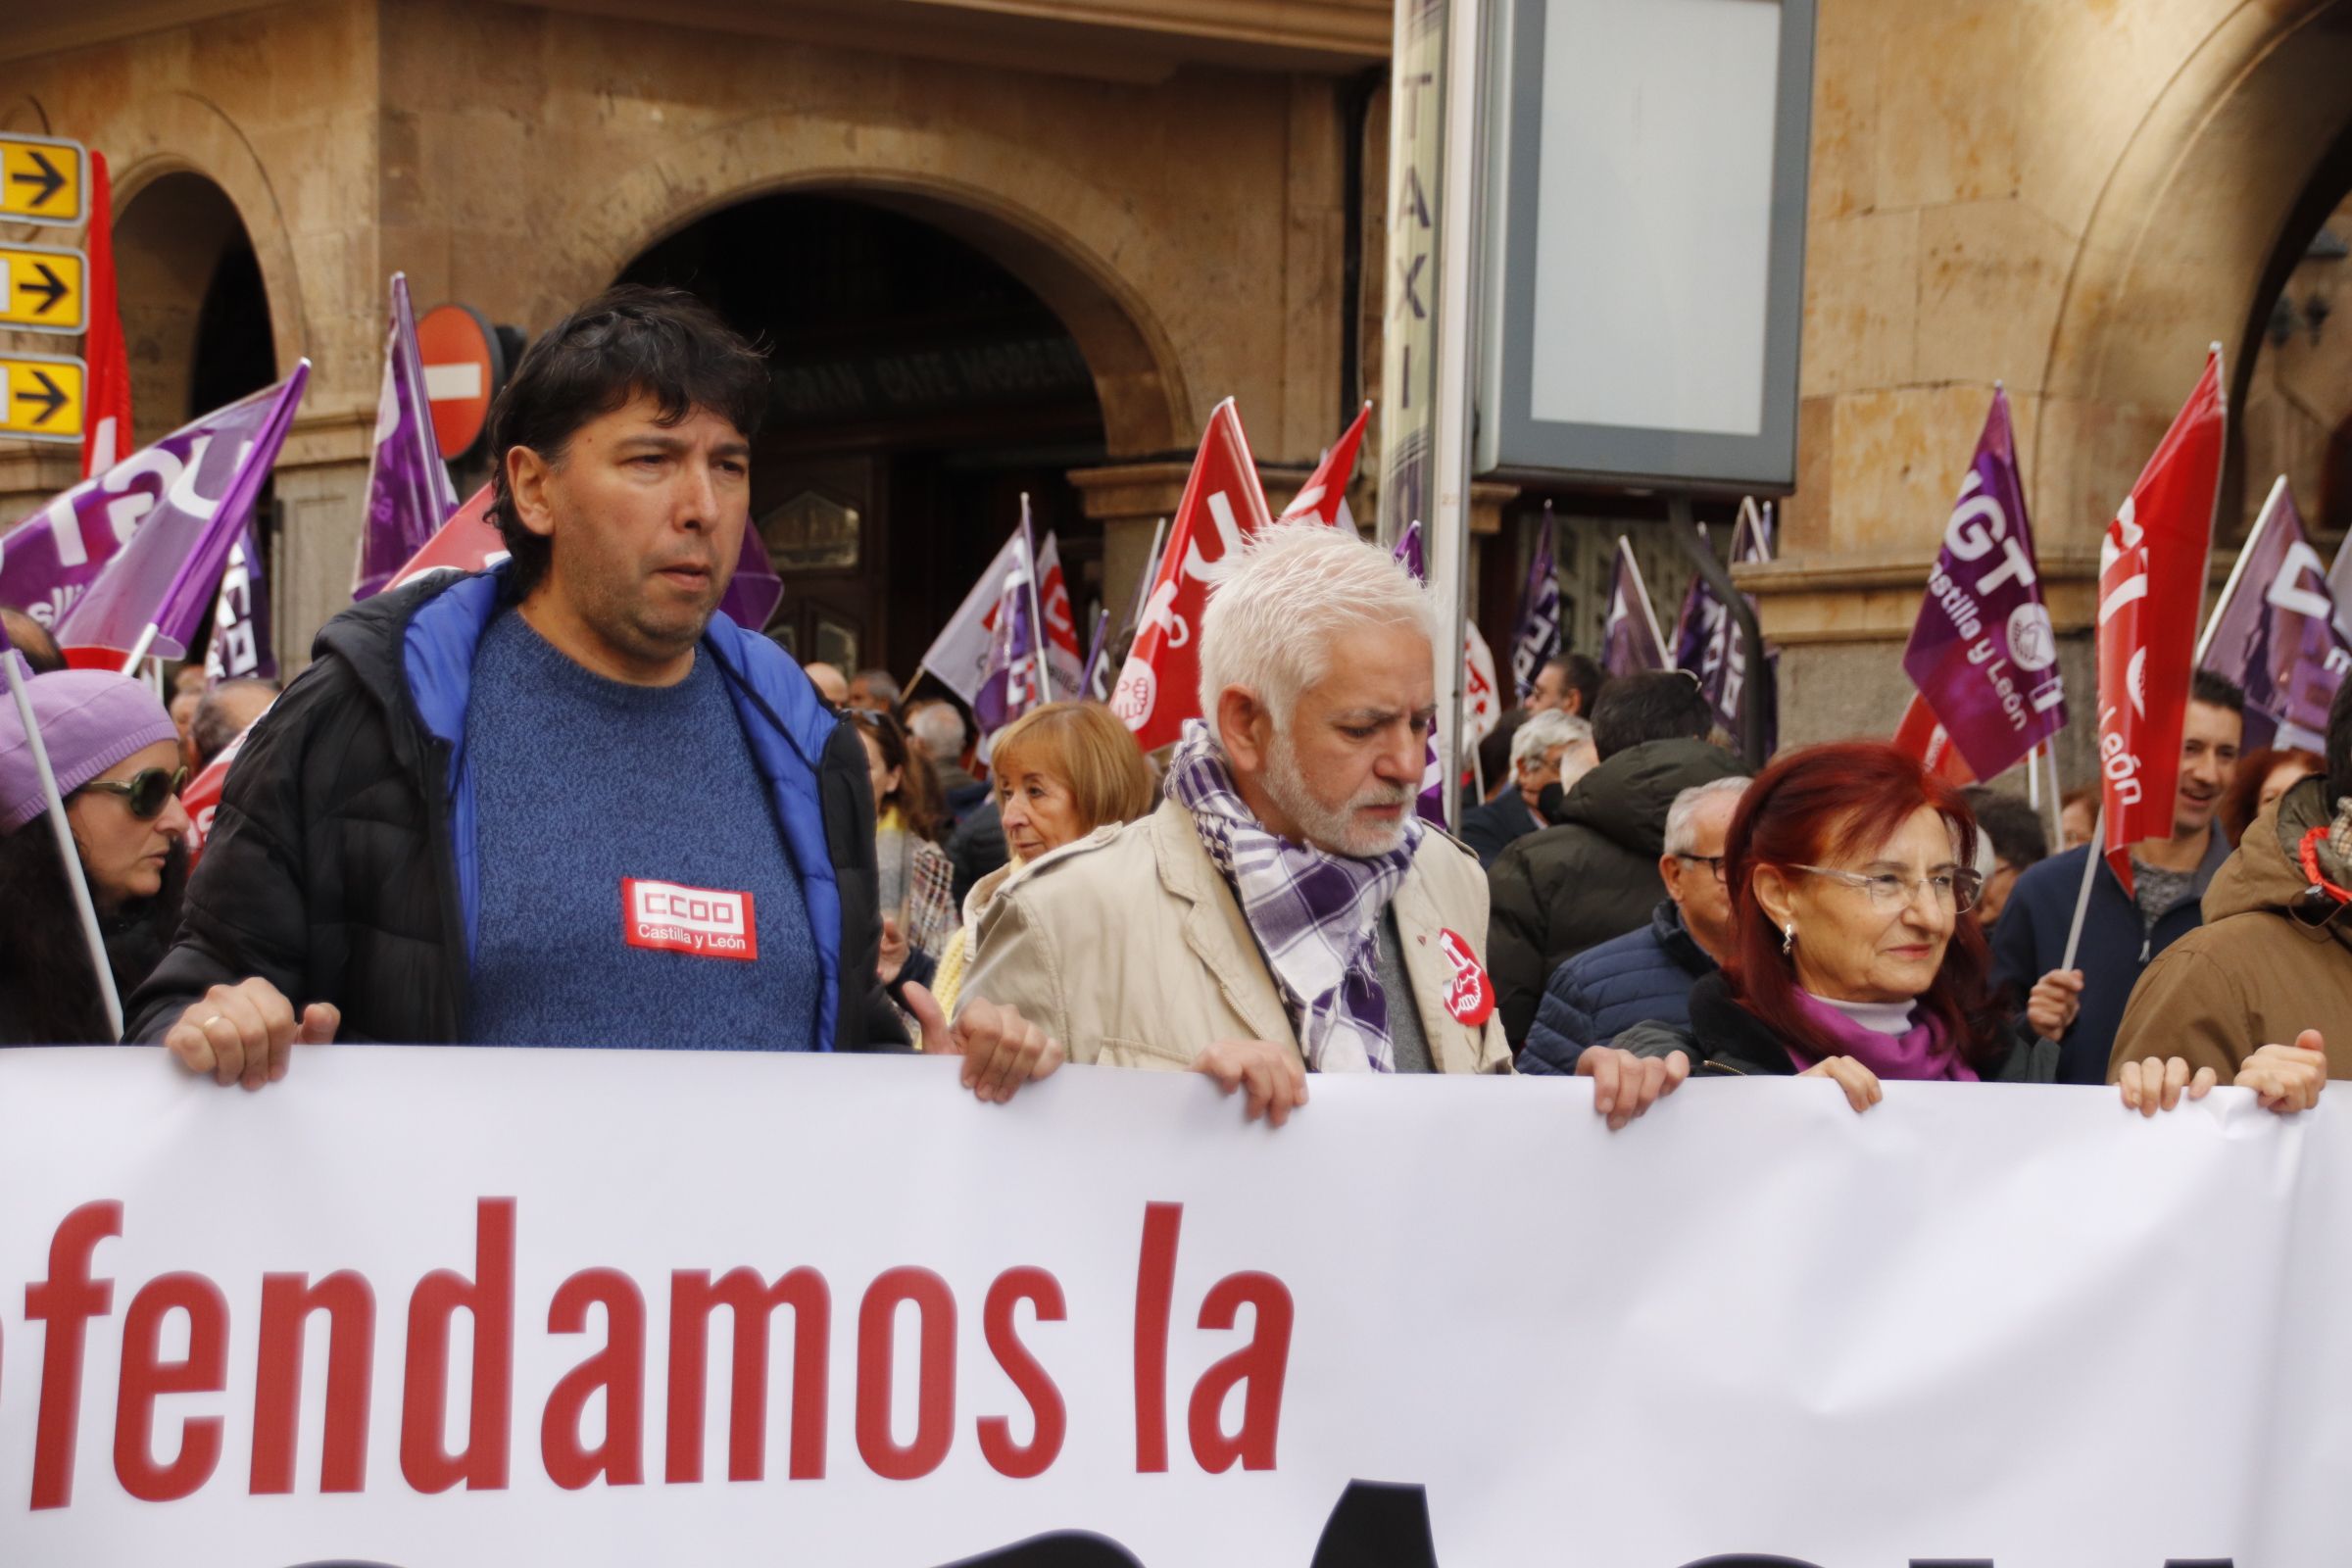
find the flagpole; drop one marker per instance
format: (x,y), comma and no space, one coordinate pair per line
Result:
(1037,614)
(2091,869)
(1143,594)
(139,650)
(74,878)
(2237,567)
(2050,751)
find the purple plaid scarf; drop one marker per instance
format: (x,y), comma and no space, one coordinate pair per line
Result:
(1316,916)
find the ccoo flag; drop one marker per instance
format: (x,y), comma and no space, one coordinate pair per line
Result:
(2274,632)
(241,644)
(2151,575)
(1159,687)
(1630,641)
(1064,662)
(1536,639)
(152,595)
(409,493)
(1982,652)
(1324,496)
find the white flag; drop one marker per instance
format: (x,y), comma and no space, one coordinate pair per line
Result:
(959,656)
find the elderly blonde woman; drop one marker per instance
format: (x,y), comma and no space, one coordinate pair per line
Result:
(1059,772)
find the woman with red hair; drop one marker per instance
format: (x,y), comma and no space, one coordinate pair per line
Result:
(1854,955)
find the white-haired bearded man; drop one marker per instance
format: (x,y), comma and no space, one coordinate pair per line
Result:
(1283,911)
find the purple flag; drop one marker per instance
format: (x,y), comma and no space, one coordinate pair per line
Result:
(152,595)
(755,591)
(240,646)
(1430,803)
(50,559)
(1707,642)
(1536,638)
(409,493)
(1630,641)
(2274,631)
(1095,686)
(1014,681)
(1982,652)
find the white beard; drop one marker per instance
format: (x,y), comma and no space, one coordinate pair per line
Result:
(1334,830)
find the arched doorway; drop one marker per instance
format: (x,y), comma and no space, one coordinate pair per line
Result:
(195,312)
(196,326)
(920,389)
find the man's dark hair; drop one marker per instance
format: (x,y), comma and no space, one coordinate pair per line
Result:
(2216,691)
(2015,829)
(1652,705)
(2339,745)
(1582,676)
(33,640)
(662,342)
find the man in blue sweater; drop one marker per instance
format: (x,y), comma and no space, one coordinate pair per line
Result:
(563,802)
(2122,932)
(1645,976)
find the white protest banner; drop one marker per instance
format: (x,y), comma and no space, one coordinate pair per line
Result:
(440,1308)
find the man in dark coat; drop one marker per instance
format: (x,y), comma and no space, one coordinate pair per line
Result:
(564,801)
(1645,976)
(1550,749)
(1593,874)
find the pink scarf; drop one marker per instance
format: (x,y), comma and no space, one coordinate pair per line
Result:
(1921,1055)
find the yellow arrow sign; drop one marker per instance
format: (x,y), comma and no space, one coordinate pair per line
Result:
(42,397)
(44,180)
(42,289)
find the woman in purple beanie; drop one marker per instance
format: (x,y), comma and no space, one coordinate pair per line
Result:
(117,756)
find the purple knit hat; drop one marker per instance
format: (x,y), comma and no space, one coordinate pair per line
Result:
(89,720)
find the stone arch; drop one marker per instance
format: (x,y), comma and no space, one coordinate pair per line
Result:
(1059,235)
(180,134)
(2184,244)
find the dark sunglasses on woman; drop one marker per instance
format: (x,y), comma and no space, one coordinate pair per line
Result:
(145,791)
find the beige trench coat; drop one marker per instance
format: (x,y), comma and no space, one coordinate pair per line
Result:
(1129,947)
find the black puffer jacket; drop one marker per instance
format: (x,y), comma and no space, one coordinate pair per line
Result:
(330,869)
(1592,876)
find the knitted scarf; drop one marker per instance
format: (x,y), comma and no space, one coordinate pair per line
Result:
(1316,916)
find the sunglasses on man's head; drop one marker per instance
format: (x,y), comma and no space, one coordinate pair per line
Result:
(144,792)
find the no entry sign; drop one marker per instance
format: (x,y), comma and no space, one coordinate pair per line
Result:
(464,369)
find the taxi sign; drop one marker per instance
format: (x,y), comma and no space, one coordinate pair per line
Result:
(42,289)
(41,397)
(43,180)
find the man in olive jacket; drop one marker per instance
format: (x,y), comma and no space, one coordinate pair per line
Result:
(2272,966)
(1593,874)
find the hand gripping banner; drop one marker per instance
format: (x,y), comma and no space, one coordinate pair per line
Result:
(471,1309)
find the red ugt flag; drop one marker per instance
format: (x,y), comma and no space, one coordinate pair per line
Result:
(2151,580)
(106,416)
(1160,686)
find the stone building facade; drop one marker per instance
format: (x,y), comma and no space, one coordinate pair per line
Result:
(2072,197)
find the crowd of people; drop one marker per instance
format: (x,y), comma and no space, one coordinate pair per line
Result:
(426,837)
